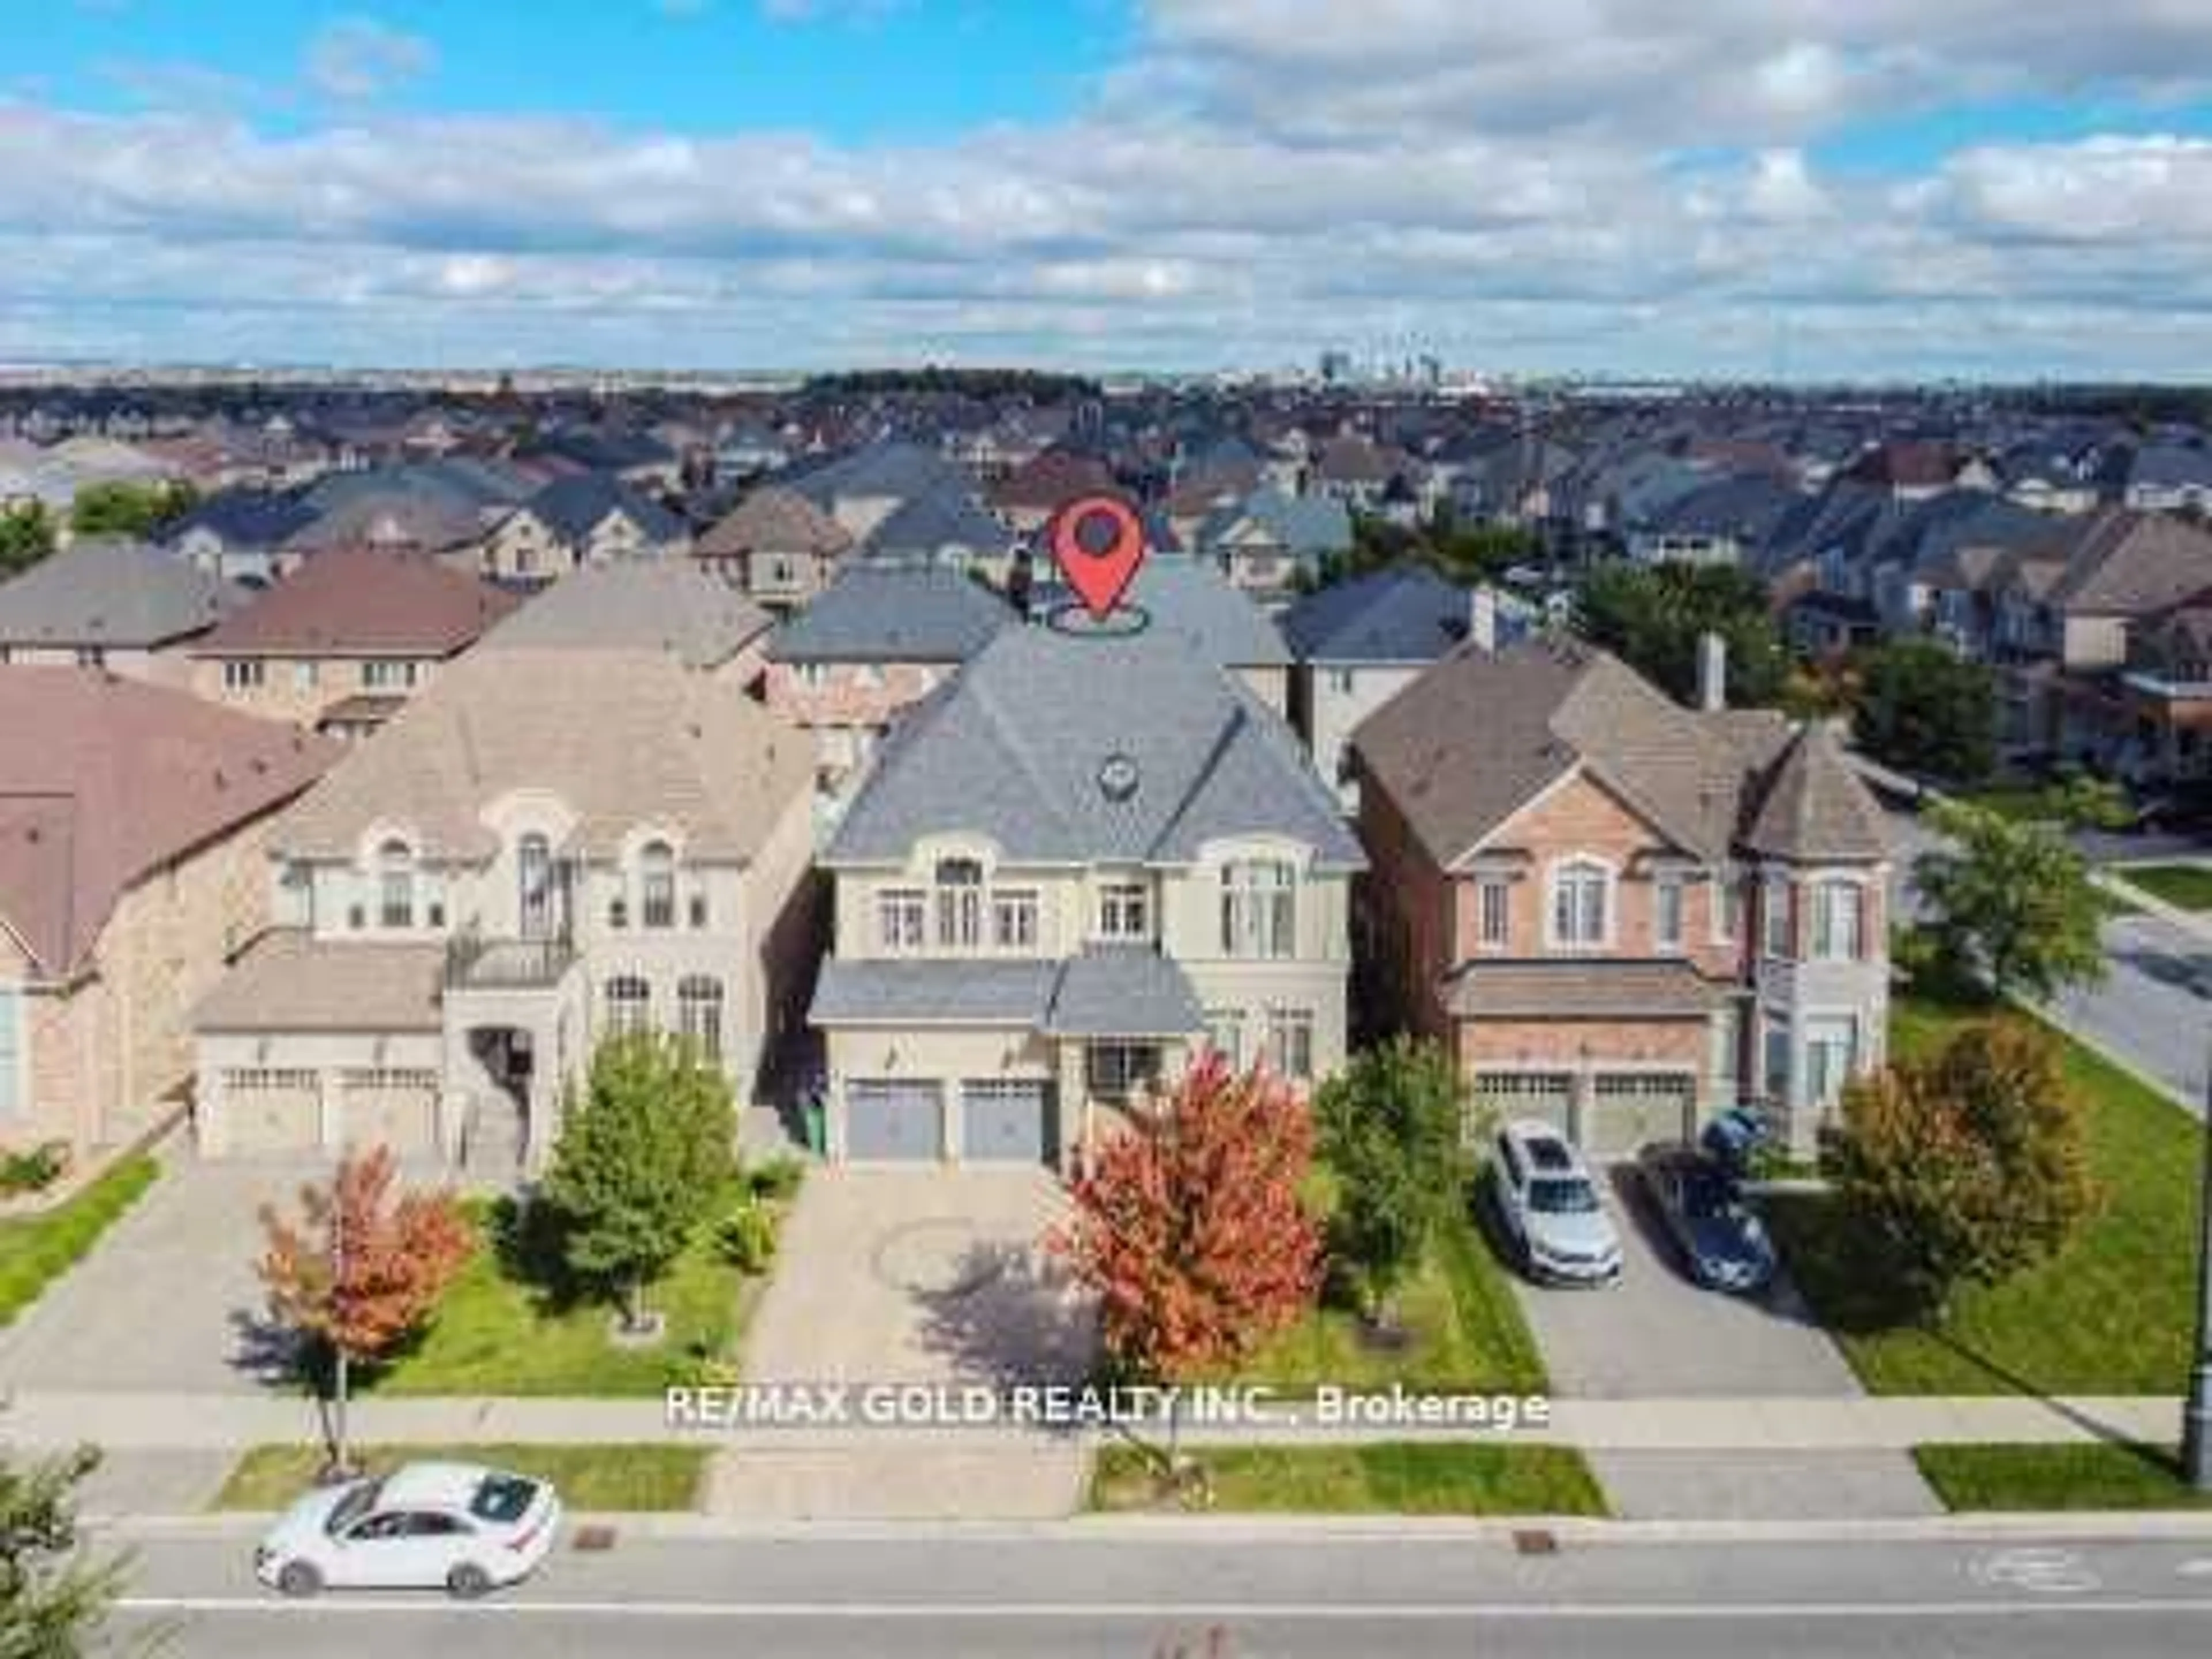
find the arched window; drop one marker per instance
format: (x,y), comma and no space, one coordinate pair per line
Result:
(629,1005)
(959,904)
(395,884)
(699,1013)
(656,868)
(1582,904)
(1259,913)
(533,869)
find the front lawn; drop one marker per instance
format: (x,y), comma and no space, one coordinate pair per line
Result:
(2114,1314)
(2187,886)
(37,1249)
(1381,1477)
(506,1327)
(631,1477)
(2085,1475)
(1463,1331)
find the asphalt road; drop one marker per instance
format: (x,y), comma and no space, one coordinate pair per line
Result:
(1266,1592)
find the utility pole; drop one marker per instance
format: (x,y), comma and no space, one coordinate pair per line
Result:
(2196,1415)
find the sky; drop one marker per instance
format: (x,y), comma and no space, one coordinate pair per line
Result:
(1797,188)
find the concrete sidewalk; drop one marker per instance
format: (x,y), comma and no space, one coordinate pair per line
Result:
(178,1422)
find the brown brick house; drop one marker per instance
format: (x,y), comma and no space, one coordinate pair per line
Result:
(133,824)
(1619,913)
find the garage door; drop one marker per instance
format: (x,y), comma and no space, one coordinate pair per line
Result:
(1501,1097)
(1005,1120)
(399,1109)
(893,1119)
(268,1112)
(1629,1109)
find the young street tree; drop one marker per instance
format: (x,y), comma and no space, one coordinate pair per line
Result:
(1969,1166)
(1923,708)
(27,536)
(362,1268)
(52,1599)
(644,1158)
(2011,901)
(1389,1130)
(1190,1229)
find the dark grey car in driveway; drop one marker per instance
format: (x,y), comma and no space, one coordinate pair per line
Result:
(1722,1244)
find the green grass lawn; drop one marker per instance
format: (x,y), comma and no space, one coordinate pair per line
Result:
(2112,1314)
(2023,803)
(1464,1331)
(1383,1478)
(35,1250)
(2186,885)
(641,1477)
(498,1332)
(2090,1475)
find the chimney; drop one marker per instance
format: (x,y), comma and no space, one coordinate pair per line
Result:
(1482,618)
(1712,673)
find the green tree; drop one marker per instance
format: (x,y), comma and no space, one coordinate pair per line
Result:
(645,1156)
(2010,902)
(120,507)
(1652,616)
(27,536)
(1921,707)
(1967,1167)
(1389,1128)
(52,1599)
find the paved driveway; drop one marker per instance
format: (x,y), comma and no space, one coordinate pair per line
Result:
(920,1275)
(168,1300)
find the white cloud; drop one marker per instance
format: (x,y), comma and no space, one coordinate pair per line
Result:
(356,59)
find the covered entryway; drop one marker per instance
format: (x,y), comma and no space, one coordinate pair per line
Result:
(1625,1111)
(893,1119)
(271,1111)
(1006,1119)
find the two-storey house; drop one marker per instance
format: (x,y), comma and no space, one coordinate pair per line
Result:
(1086,858)
(776,546)
(547,845)
(582,520)
(106,603)
(1619,914)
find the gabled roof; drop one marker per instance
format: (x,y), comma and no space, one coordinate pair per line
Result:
(2127,563)
(621,738)
(112,593)
(1469,743)
(362,602)
(575,506)
(1193,601)
(1016,750)
(245,517)
(923,526)
(641,604)
(1308,526)
(104,781)
(1396,615)
(893,613)
(774,519)
(1053,479)
(1812,807)
(893,470)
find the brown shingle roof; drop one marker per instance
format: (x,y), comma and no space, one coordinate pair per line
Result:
(105,780)
(362,602)
(1578,989)
(1053,479)
(774,520)
(621,736)
(1815,808)
(288,982)
(2127,563)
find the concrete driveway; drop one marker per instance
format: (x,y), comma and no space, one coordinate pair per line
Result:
(168,1301)
(920,1275)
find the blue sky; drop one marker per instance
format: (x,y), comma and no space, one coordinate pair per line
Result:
(1895,186)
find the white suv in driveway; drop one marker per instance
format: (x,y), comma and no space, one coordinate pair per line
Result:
(1550,1205)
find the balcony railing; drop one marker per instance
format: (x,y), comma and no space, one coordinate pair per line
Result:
(475,962)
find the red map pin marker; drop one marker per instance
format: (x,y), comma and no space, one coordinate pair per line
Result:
(1098,541)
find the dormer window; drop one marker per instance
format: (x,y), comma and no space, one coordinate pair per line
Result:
(656,871)
(1581,905)
(395,880)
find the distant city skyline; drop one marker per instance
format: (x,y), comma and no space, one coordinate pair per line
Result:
(1743,190)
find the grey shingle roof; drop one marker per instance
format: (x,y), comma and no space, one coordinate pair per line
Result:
(575,506)
(893,614)
(112,593)
(1018,993)
(1194,601)
(1390,616)
(1124,991)
(1014,749)
(925,526)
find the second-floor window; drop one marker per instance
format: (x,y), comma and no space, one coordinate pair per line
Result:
(386,675)
(1667,898)
(1838,921)
(900,919)
(1493,913)
(1581,905)
(1259,913)
(534,863)
(959,904)
(656,886)
(395,884)
(242,673)
(1124,911)
(1774,923)
(1014,918)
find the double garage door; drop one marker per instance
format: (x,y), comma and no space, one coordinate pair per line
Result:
(274,1113)
(902,1120)
(1613,1114)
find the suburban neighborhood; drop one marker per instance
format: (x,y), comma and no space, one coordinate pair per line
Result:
(1199,830)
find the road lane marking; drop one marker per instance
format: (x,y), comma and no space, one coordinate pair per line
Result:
(2046,1571)
(1297,1612)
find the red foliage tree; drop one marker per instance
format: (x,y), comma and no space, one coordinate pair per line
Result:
(1190,1228)
(364,1267)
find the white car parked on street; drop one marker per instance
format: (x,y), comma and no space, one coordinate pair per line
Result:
(1551,1207)
(454,1527)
